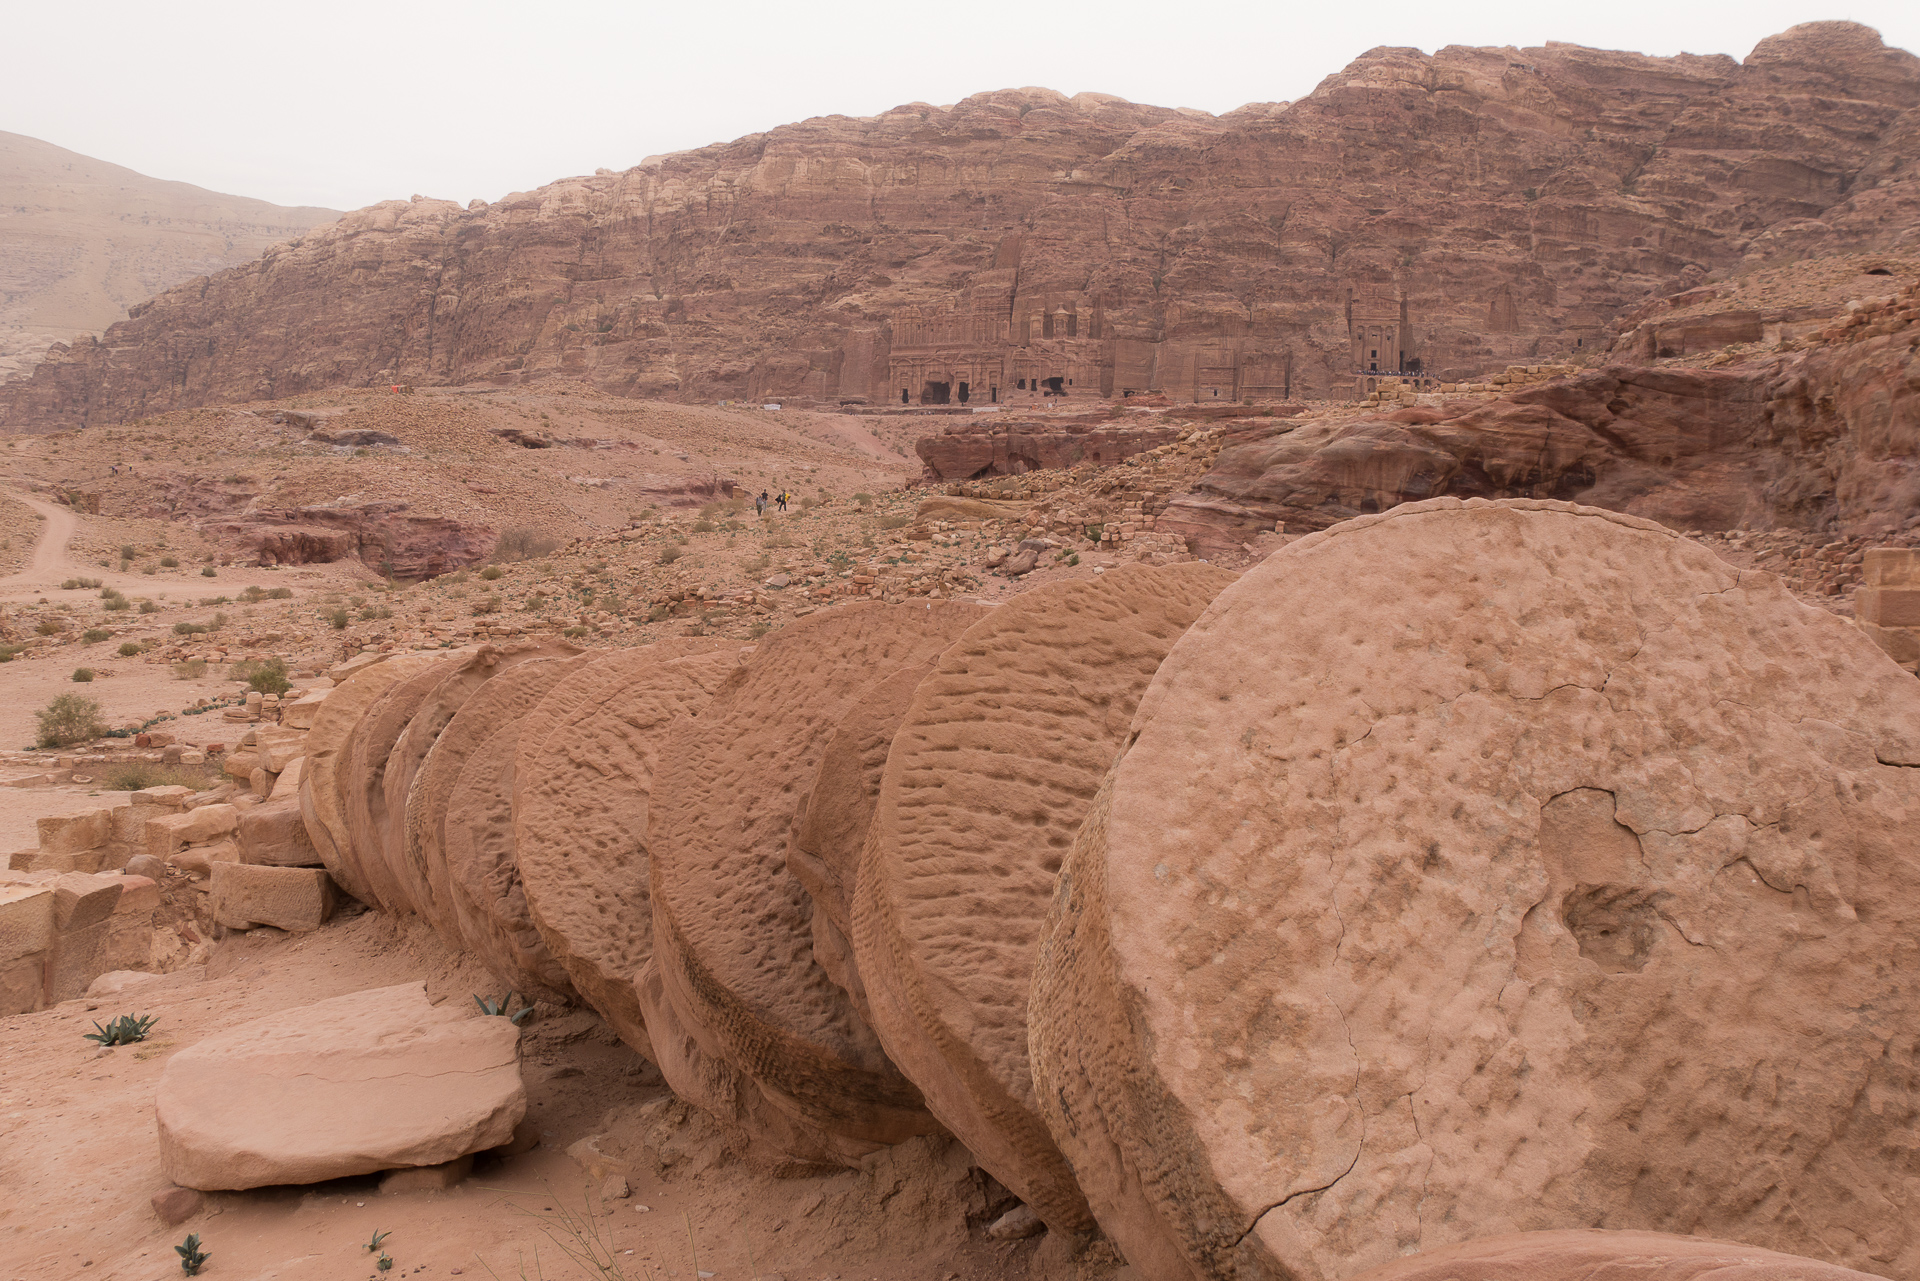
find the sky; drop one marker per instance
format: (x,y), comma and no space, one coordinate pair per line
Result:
(351,102)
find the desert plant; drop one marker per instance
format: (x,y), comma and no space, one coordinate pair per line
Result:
(759,629)
(149,607)
(521,542)
(94,635)
(207,571)
(493,573)
(73,584)
(129,648)
(189,629)
(8,651)
(501,1006)
(82,675)
(280,593)
(267,676)
(659,612)
(128,551)
(169,562)
(68,719)
(124,1030)
(135,776)
(48,627)
(338,617)
(863,498)
(192,1257)
(378,1237)
(191,670)
(669,554)
(486,605)
(894,522)
(116,603)
(574,633)
(703,527)
(384,1262)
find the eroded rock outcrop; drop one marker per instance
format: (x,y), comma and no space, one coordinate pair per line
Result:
(1022,246)
(1484,915)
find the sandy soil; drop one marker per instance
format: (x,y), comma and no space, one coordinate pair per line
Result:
(78,1160)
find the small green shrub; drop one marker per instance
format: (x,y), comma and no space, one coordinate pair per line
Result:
(379,1236)
(94,635)
(520,542)
(703,527)
(337,616)
(659,612)
(116,603)
(207,571)
(47,627)
(864,499)
(280,593)
(69,719)
(192,1257)
(189,629)
(128,551)
(574,633)
(82,675)
(493,573)
(169,562)
(894,522)
(148,607)
(669,554)
(124,1030)
(129,648)
(267,676)
(191,670)
(501,1006)
(73,584)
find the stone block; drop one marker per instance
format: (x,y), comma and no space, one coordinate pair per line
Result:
(77,958)
(138,895)
(287,782)
(427,1178)
(127,825)
(240,766)
(1888,606)
(22,983)
(1891,567)
(41,861)
(278,747)
(300,712)
(26,921)
(275,835)
(171,797)
(128,945)
(290,898)
(166,834)
(75,833)
(198,861)
(261,783)
(81,900)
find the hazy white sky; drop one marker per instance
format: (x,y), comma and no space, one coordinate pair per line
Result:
(349,102)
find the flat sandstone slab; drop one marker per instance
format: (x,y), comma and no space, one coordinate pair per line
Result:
(375,1080)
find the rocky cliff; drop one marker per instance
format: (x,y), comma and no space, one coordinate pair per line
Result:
(1433,214)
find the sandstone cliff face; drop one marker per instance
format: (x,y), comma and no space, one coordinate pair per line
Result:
(1448,212)
(1820,439)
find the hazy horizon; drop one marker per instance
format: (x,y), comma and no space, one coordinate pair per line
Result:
(381,104)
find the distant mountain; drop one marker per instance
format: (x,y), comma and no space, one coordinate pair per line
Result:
(82,240)
(1444,215)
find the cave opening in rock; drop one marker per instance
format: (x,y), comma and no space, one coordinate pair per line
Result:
(965,391)
(904,399)
(935,393)
(1056,386)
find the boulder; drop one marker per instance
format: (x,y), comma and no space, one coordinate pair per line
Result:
(376,1080)
(1582,1254)
(501,701)
(990,773)
(75,833)
(769,1042)
(1485,908)
(582,785)
(289,898)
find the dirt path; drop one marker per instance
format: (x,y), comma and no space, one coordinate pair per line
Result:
(50,565)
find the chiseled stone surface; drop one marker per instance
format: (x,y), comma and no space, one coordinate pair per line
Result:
(1583,1254)
(375,1080)
(1490,906)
